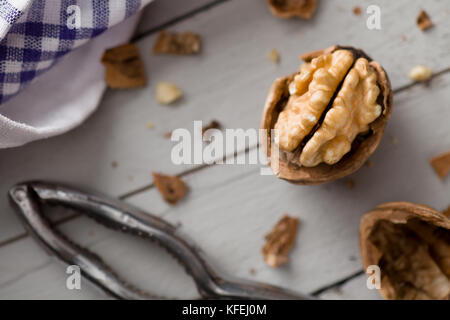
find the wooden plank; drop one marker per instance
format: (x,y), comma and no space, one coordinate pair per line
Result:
(237,36)
(234,42)
(158,12)
(231,207)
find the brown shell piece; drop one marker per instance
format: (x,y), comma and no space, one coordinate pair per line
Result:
(411,245)
(441,164)
(423,21)
(292,8)
(124,67)
(279,241)
(172,188)
(282,163)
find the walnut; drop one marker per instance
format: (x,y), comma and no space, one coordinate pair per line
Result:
(411,245)
(279,241)
(292,8)
(328,117)
(124,67)
(177,44)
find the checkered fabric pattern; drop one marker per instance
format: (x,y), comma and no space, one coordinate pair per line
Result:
(36,33)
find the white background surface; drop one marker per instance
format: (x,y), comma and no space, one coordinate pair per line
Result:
(230,208)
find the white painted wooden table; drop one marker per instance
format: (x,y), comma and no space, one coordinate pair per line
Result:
(231,208)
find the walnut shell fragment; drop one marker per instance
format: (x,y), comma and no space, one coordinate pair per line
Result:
(292,8)
(411,245)
(279,241)
(441,164)
(423,21)
(328,117)
(172,188)
(177,43)
(123,67)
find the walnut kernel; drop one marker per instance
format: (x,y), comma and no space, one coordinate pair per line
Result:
(420,73)
(328,117)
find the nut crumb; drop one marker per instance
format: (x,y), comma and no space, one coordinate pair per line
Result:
(167,93)
(114,164)
(369,164)
(123,67)
(214,124)
(441,164)
(167,134)
(172,188)
(177,43)
(423,21)
(149,125)
(292,8)
(420,73)
(252,271)
(279,241)
(274,56)
(357,10)
(350,183)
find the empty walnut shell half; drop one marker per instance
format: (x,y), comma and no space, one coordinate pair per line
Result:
(410,243)
(328,117)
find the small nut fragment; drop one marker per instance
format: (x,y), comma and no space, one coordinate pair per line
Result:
(167,93)
(279,241)
(292,8)
(178,44)
(420,73)
(123,67)
(441,164)
(172,188)
(357,10)
(214,124)
(411,245)
(328,118)
(423,21)
(274,56)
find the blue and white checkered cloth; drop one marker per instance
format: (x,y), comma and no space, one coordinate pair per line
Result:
(36,33)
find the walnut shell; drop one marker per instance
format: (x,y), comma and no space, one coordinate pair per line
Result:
(361,149)
(292,8)
(411,245)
